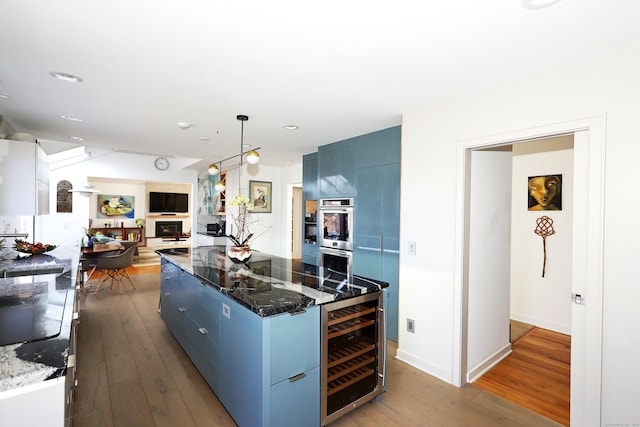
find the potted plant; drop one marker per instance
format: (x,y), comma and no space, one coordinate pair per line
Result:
(240,251)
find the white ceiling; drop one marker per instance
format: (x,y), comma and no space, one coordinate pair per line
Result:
(335,68)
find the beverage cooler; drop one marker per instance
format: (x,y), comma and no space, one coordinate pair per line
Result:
(353,354)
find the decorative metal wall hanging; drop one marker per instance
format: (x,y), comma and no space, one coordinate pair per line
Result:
(544,229)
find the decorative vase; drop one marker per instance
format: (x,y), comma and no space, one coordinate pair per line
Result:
(239,253)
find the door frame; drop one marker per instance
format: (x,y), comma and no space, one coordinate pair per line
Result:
(587,262)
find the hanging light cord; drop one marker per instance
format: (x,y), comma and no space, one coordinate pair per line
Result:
(241,138)
(242,119)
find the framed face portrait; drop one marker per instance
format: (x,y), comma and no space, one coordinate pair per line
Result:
(545,193)
(260,195)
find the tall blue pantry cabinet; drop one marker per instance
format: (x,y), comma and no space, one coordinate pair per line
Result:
(376,248)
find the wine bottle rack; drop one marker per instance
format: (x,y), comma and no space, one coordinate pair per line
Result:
(352,353)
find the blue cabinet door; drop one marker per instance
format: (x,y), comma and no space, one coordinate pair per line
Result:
(294,343)
(310,176)
(345,178)
(378,148)
(377,232)
(390,262)
(367,223)
(296,402)
(336,169)
(310,254)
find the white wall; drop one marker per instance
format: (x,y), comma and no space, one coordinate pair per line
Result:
(273,229)
(67,228)
(118,188)
(429,156)
(537,300)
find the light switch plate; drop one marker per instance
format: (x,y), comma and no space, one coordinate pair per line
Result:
(412,248)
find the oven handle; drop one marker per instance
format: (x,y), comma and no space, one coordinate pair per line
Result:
(332,251)
(334,209)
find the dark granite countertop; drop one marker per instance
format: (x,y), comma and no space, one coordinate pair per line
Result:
(268,284)
(35,317)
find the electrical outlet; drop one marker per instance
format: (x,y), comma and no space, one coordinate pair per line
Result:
(411,325)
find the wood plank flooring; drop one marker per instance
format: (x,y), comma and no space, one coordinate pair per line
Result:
(132,373)
(536,375)
(518,329)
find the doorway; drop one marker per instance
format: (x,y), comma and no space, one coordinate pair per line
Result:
(296,223)
(586,259)
(505,259)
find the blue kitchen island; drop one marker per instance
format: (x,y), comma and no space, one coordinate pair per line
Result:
(260,334)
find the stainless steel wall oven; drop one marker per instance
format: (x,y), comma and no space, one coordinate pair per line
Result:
(335,260)
(336,223)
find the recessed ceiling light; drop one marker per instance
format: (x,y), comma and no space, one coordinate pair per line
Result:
(539,4)
(66,77)
(291,127)
(184,125)
(5,96)
(72,118)
(204,138)
(75,138)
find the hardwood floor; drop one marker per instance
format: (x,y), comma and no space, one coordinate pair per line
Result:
(536,375)
(133,373)
(518,329)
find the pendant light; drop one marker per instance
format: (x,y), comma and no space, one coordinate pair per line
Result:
(252,156)
(86,191)
(220,185)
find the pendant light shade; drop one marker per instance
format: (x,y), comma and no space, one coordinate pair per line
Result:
(213,169)
(220,186)
(253,157)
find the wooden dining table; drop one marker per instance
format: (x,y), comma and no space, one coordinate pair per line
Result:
(89,255)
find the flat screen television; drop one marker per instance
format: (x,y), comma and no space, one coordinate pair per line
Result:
(168,202)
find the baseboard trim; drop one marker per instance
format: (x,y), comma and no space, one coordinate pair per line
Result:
(489,363)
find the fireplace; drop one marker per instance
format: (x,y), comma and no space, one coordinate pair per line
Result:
(168,228)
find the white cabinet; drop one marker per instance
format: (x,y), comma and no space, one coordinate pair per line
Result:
(17,405)
(24,178)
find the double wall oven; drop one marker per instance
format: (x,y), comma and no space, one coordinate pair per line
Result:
(335,220)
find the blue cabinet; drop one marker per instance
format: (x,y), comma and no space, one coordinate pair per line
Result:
(376,252)
(264,370)
(336,169)
(310,176)
(310,195)
(378,148)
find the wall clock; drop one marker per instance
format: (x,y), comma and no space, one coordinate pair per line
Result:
(162,164)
